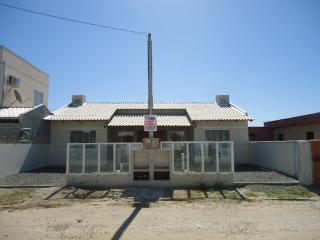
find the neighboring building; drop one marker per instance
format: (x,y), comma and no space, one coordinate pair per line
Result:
(304,127)
(260,134)
(100,122)
(21,83)
(24,125)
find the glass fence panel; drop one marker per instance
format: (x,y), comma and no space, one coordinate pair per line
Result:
(180,157)
(166,145)
(91,158)
(136,145)
(210,157)
(195,161)
(122,157)
(106,157)
(224,157)
(75,158)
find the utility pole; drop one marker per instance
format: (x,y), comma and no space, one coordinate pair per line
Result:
(150,95)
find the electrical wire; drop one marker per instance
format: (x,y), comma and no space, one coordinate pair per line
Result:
(73,20)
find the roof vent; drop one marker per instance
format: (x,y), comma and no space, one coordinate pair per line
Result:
(223,100)
(78,100)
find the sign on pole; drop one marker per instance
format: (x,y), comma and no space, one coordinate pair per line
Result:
(150,123)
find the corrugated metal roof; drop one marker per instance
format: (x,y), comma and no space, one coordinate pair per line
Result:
(138,120)
(105,111)
(13,112)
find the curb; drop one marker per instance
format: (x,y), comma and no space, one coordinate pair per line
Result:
(241,184)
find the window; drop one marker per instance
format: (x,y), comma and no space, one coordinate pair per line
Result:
(79,136)
(252,137)
(38,98)
(126,136)
(217,135)
(176,135)
(310,135)
(280,137)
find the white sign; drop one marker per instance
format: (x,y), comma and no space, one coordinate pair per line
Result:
(150,123)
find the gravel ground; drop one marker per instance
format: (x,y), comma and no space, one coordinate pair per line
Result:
(254,174)
(243,174)
(45,178)
(263,177)
(81,215)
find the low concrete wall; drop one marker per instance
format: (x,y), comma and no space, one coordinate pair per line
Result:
(16,158)
(176,180)
(289,157)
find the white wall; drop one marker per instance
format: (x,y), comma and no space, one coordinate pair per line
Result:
(31,78)
(290,157)
(15,158)
(60,136)
(238,134)
(176,180)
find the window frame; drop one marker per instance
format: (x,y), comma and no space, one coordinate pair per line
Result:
(217,129)
(307,135)
(36,95)
(280,137)
(84,131)
(180,133)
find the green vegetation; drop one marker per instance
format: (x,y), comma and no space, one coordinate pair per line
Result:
(17,195)
(251,194)
(290,192)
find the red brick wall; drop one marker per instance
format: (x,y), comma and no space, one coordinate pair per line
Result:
(315,150)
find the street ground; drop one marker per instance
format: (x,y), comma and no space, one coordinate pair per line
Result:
(251,212)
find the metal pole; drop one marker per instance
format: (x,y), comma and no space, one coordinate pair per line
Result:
(150,95)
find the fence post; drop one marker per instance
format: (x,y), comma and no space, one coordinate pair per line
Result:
(187,157)
(114,157)
(68,158)
(232,157)
(99,159)
(83,157)
(172,156)
(129,158)
(202,157)
(217,157)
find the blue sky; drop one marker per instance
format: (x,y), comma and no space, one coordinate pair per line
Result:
(265,54)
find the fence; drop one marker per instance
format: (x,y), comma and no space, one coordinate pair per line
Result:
(292,158)
(114,158)
(15,158)
(201,157)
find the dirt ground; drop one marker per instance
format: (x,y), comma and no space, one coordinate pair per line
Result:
(246,213)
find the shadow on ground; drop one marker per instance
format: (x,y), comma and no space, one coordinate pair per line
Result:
(146,196)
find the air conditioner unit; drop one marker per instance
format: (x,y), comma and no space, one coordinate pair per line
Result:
(14,82)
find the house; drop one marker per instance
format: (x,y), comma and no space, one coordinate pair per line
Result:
(21,83)
(105,122)
(24,139)
(24,125)
(24,135)
(305,127)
